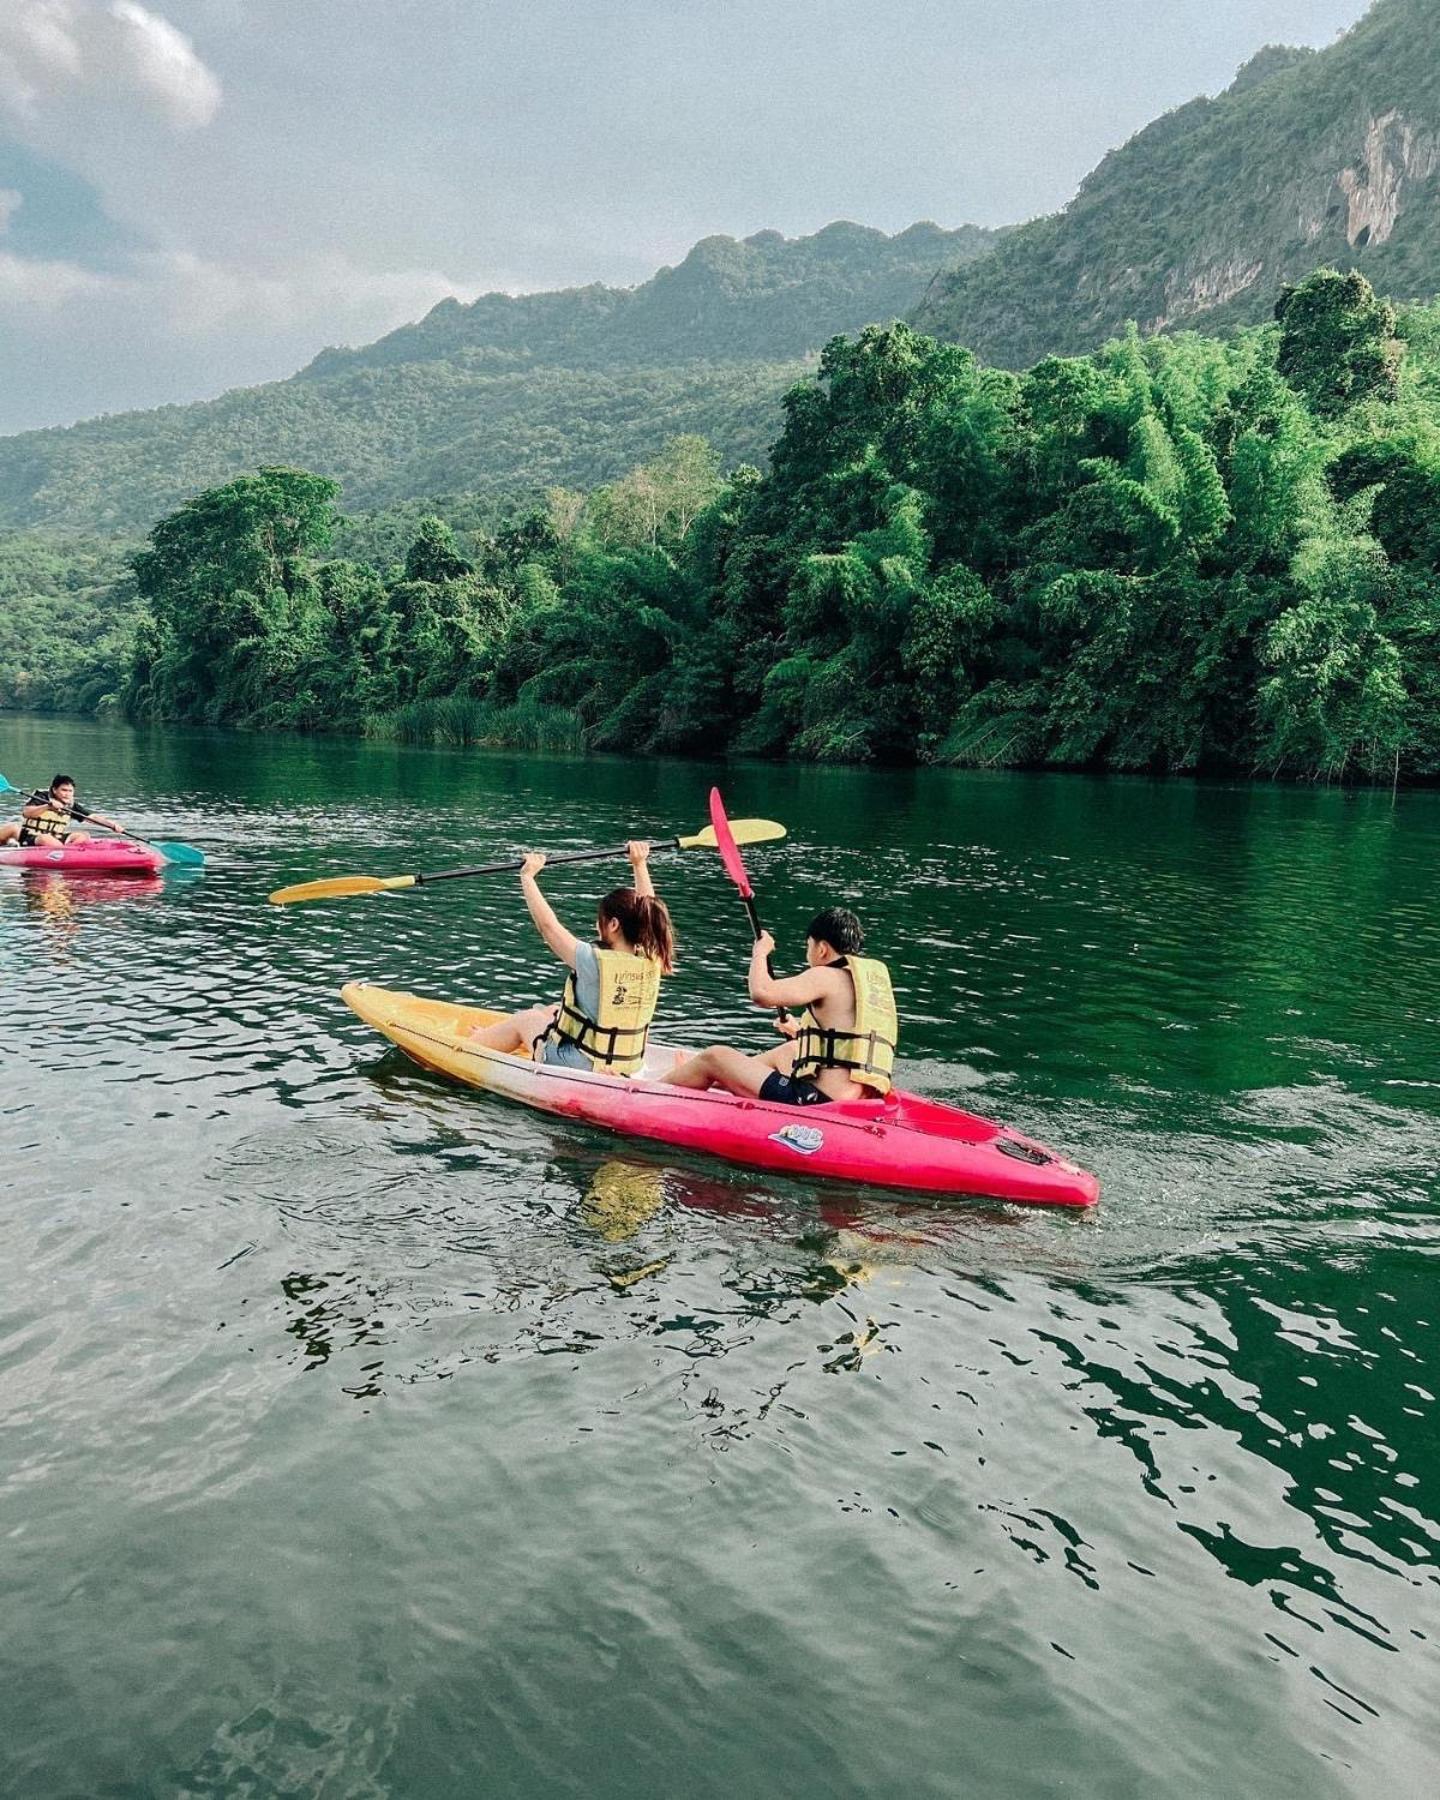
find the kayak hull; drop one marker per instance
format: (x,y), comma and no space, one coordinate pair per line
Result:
(903,1142)
(112,857)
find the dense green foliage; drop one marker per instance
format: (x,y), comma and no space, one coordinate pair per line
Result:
(505,397)
(1202,218)
(1166,556)
(66,612)
(1338,344)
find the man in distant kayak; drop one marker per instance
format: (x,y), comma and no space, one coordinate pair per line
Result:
(843,1047)
(45,819)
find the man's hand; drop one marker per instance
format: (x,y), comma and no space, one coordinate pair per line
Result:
(532,865)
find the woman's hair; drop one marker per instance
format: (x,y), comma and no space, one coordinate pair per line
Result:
(645,923)
(840,929)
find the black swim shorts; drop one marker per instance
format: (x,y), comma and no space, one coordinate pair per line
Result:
(790,1091)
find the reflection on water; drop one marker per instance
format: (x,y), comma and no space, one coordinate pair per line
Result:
(366,1436)
(55,902)
(623,1197)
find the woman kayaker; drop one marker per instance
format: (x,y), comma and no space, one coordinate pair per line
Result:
(603,1020)
(45,819)
(843,1046)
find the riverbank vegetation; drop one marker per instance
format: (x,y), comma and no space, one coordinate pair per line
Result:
(1180,554)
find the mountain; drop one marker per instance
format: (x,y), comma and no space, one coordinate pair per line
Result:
(765,298)
(1309,158)
(505,396)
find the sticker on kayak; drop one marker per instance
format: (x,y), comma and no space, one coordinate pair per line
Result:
(804,1138)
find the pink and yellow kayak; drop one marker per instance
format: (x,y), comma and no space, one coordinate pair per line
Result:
(100,856)
(903,1141)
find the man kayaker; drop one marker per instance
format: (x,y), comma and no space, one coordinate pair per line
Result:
(603,1020)
(842,1047)
(45,819)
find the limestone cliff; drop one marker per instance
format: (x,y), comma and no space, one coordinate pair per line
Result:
(1308,158)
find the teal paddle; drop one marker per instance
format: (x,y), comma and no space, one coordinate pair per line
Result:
(183,855)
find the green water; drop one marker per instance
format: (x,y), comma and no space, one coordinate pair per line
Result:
(359,1436)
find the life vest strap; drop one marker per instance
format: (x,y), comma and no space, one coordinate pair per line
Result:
(826,1051)
(602,1043)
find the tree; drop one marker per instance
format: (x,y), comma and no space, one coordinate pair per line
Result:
(655,505)
(1336,693)
(1337,342)
(222,577)
(433,555)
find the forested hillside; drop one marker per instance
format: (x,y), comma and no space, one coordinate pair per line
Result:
(764,298)
(66,617)
(1178,554)
(507,396)
(1309,159)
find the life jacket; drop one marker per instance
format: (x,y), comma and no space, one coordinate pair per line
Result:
(52,827)
(629,993)
(866,1049)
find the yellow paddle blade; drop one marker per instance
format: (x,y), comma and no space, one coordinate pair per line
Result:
(746,831)
(339,887)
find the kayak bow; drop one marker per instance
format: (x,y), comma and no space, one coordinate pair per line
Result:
(903,1141)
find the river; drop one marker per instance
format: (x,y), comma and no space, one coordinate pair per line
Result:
(360,1436)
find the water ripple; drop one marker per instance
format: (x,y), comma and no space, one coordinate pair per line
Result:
(362,1436)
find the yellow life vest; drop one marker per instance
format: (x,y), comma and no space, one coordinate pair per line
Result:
(629,993)
(866,1049)
(52,827)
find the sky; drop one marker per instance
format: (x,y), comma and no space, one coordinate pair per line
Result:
(201,194)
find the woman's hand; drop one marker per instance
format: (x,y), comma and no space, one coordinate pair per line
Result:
(638,851)
(764,944)
(532,865)
(788,1026)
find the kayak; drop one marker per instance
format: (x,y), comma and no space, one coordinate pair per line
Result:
(111,856)
(902,1141)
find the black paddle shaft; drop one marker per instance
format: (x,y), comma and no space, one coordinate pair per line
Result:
(749,902)
(568,856)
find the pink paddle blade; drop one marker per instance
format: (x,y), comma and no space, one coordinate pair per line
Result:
(728,848)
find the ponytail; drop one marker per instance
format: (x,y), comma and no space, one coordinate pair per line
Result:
(645,923)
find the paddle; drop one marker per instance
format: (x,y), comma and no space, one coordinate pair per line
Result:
(185,855)
(726,841)
(342,887)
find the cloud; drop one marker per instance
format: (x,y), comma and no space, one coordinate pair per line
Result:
(187,295)
(28,285)
(174,326)
(57,52)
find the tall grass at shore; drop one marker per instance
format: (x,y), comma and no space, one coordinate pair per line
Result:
(461,721)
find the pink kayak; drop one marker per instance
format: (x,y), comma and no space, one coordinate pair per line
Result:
(101,856)
(903,1141)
